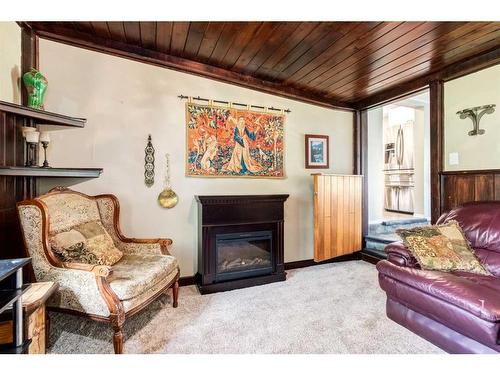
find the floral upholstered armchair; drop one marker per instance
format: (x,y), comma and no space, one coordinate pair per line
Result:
(119,281)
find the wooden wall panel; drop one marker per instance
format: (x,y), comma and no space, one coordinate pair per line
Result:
(337,215)
(497,187)
(12,189)
(484,187)
(469,186)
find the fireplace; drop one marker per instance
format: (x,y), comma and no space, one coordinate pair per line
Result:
(240,241)
(242,255)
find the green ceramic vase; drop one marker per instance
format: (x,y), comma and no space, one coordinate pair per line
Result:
(36,84)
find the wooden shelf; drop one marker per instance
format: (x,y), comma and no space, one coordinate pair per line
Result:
(50,172)
(42,117)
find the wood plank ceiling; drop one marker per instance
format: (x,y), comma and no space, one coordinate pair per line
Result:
(336,64)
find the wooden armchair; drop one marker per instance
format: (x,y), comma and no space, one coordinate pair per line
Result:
(103,293)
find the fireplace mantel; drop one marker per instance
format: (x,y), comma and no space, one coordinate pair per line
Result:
(230,214)
(240,199)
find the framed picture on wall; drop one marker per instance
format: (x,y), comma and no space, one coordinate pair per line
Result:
(317,151)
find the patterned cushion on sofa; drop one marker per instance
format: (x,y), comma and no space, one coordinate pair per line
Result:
(86,243)
(135,274)
(442,248)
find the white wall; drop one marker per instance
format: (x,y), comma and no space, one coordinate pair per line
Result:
(418,158)
(375,165)
(480,151)
(10,62)
(124,101)
(383,117)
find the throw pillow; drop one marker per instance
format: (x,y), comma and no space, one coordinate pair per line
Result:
(442,248)
(86,243)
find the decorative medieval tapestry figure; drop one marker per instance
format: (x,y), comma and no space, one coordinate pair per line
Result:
(229,142)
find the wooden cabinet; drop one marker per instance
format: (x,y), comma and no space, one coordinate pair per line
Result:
(337,215)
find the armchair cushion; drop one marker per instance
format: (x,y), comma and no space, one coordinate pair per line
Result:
(86,243)
(135,274)
(68,210)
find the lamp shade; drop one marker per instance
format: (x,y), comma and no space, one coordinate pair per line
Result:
(45,137)
(27,129)
(32,137)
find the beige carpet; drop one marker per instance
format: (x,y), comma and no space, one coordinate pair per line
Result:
(333,308)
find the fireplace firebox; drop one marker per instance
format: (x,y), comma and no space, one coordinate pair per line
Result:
(242,255)
(240,241)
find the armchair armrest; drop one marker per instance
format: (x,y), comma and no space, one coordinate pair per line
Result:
(97,270)
(109,209)
(80,288)
(398,254)
(159,246)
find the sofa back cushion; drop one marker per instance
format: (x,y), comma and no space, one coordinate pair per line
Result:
(480,222)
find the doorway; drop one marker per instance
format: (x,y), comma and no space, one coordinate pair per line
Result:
(398,180)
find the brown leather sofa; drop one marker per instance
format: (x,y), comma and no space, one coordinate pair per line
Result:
(457,311)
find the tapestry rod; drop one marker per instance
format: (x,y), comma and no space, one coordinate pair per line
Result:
(233,103)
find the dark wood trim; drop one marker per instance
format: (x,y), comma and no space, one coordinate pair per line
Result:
(307,164)
(187,280)
(467,172)
(29,56)
(370,258)
(44,117)
(191,280)
(459,69)
(311,262)
(356,142)
(436,95)
(137,53)
(50,172)
(239,283)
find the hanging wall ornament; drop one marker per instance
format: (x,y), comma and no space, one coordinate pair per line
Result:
(167,197)
(149,164)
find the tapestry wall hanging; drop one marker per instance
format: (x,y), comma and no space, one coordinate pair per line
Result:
(229,142)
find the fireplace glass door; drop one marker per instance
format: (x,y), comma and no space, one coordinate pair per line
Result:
(243,255)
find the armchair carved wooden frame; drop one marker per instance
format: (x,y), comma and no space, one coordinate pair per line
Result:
(85,289)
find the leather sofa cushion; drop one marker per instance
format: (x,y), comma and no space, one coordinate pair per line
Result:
(440,311)
(479,295)
(490,260)
(481,223)
(136,274)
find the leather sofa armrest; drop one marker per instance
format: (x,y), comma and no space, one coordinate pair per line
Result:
(398,254)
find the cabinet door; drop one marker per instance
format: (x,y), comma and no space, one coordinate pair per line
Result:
(337,215)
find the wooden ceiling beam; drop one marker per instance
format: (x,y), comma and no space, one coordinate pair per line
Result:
(456,70)
(138,53)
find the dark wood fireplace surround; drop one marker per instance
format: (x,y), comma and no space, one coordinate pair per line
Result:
(226,214)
